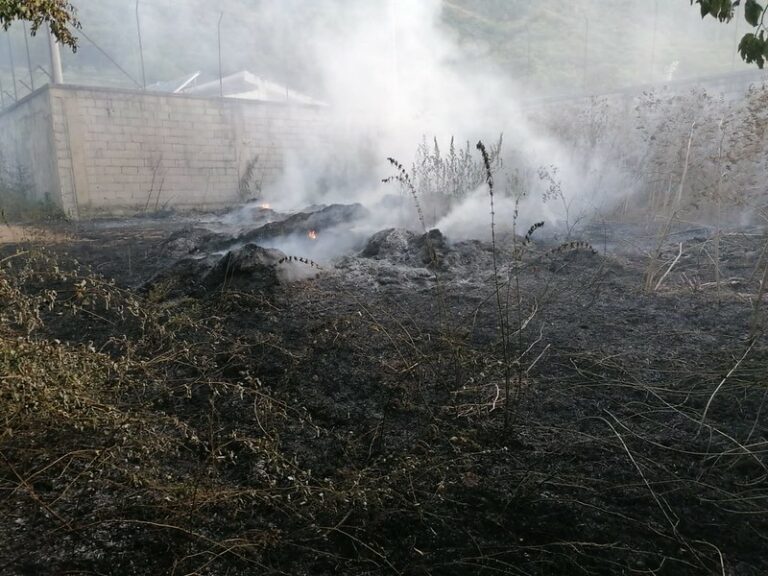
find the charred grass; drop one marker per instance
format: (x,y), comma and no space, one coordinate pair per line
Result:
(323,428)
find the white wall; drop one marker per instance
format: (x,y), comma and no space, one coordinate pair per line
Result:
(127,152)
(111,152)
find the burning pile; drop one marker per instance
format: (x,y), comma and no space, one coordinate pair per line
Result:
(282,248)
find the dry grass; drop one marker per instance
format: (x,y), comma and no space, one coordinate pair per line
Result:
(17,234)
(336,431)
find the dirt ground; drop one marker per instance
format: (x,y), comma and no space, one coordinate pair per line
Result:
(404,410)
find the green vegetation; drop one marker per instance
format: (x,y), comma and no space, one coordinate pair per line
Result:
(60,15)
(754,45)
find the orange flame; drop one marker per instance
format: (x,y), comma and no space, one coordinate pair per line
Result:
(266,206)
(312,235)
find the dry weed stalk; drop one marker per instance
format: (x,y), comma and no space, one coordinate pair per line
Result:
(722,382)
(405,181)
(300,260)
(669,269)
(719,206)
(756,325)
(572,246)
(503,327)
(502,305)
(655,262)
(444,179)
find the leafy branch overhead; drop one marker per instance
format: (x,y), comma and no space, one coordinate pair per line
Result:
(60,15)
(754,45)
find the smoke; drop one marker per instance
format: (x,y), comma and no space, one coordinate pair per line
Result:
(392,73)
(470,219)
(395,71)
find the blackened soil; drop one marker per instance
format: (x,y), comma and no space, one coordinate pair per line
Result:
(554,418)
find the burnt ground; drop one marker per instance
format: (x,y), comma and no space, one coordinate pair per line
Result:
(212,414)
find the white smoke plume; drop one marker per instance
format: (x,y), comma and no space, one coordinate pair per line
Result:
(392,73)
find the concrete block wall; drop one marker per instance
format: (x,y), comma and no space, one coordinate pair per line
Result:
(27,147)
(106,152)
(123,152)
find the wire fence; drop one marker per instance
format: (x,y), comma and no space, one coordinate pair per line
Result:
(23,74)
(25,62)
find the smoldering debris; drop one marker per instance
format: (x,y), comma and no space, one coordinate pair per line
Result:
(401,246)
(397,256)
(302,223)
(192,241)
(251,267)
(263,226)
(278,248)
(283,248)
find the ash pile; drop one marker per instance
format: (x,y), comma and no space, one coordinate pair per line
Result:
(399,257)
(259,249)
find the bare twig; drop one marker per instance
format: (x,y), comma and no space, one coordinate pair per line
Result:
(722,383)
(674,262)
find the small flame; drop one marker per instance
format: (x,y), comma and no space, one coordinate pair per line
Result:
(266,206)
(312,235)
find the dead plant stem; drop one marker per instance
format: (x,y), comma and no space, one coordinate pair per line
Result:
(722,383)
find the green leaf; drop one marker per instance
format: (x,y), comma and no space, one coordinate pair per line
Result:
(726,11)
(720,9)
(753,12)
(753,49)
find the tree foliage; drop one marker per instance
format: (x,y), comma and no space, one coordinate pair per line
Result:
(754,45)
(60,15)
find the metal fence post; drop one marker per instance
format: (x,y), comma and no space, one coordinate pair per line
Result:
(141,47)
(221,77)
(13,65)
(29,58)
